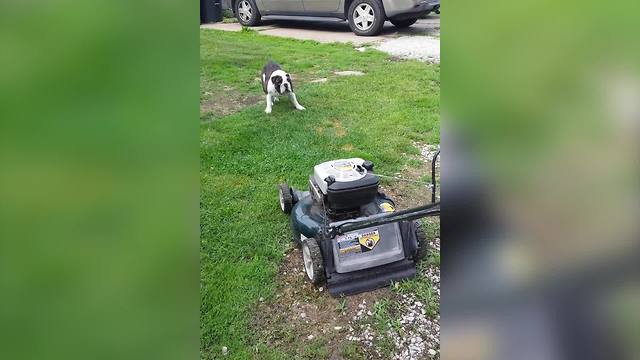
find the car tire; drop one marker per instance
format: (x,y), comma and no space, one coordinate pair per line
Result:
(247,13)
(313,262)
(286,198)
(401,24)
(366,17)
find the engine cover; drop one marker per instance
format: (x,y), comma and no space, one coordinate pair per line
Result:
(346,183)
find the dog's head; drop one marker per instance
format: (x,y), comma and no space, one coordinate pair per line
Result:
(282,82)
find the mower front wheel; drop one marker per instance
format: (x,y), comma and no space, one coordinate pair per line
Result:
(286,198)
(313,262)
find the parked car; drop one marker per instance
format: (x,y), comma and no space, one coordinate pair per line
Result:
(365,17)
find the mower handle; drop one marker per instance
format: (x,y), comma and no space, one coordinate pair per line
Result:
(341,227)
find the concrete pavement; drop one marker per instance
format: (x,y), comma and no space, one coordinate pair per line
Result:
(328,32)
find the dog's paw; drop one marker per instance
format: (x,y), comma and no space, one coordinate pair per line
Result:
(300,107)
(268,111)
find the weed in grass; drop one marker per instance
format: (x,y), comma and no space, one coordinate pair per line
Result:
(351,351)
(419,286)
(342,305)
(268,352)
(316,349)
(385,319)
(434,258)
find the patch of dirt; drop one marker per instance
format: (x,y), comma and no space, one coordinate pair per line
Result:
(225,102)
(300,313)
(347,147)
(339,129)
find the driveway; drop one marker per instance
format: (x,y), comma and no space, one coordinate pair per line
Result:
(331,31)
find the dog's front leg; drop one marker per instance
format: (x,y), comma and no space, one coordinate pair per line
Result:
(269,104)
(294,100)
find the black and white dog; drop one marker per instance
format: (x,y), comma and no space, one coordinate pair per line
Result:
(276,82)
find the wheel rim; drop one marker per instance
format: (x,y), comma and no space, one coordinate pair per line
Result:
(281,200)
(244,10)
(363,17)
(308,263)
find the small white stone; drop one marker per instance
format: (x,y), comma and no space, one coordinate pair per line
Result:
(369,313)
(320,289)
(225,350)
(261,299)
(338,328)
(432,352)
(310,337)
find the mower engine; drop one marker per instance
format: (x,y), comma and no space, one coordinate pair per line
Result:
(342,193)
(343,186)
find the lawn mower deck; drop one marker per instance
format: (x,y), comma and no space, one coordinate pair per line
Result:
(350,233)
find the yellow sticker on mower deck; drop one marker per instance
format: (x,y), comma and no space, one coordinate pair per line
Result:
(369,239)
(354,243)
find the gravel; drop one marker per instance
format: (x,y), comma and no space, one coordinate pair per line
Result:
(419,336)
(422,48)
(428,152)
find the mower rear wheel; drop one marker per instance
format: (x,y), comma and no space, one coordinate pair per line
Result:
(423,244)
(313,263)
(286,198)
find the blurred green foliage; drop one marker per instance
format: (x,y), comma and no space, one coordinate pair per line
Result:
(547,94)
(98,179)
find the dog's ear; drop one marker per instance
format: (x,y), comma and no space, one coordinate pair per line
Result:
(290,82)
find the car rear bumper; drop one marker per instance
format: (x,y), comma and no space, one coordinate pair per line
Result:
(405,9)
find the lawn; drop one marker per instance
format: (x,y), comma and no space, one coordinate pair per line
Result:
(246,153)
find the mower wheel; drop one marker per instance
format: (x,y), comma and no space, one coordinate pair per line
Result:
(423,245)
(286,198)
(313,263)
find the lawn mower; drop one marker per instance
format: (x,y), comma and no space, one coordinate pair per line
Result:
(350,233)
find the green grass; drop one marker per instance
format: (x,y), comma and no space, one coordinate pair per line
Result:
(351,351)
(421,286)
(245,155)
(384,320)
